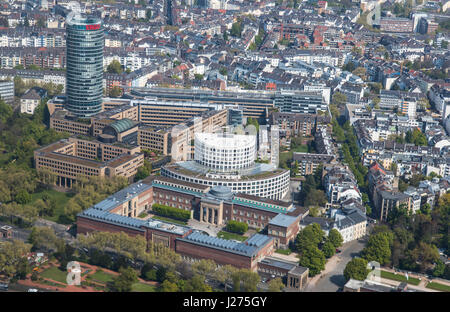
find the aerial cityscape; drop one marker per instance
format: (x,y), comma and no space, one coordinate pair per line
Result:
(181,146)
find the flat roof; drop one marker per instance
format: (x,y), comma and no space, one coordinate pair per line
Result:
(249,248)
(279,263)
(166,226)
(122,196)
(283,220)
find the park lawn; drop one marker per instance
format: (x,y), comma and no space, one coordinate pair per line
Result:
(437,286)
(102,277)
(284,251)
(60,198)
(301,149)
(141,287)
(228,235)
(285,157)
(55,274)
(169,220)
(399,277)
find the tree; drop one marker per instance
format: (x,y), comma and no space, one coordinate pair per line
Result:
(339,99)
(11,255)
(223,71)
(416,137)
(224,273)
(237,227)
(19,86)
(314,198)
(196,284)
(425,255)
(360,71)
(311,235)
(114,67)
(43,238)
(225,35)
(23,197)
(148,14)
(204,267)
(439,268)
(276,285)
(335,238)
(379,248)
(328,249)
(245,280)
(236,29)
(125,280)
(314,259)
(168,286)
(356,269)
(350,67)
(141,173)
(115,92)
(5,111)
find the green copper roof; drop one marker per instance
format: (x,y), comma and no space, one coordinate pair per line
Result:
(122,125)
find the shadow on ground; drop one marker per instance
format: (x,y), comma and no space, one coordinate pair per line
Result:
(338,280)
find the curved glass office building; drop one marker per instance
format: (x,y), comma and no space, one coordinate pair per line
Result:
(84,80)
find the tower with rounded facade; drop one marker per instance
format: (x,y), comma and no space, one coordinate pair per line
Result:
(228,160)
(84,77)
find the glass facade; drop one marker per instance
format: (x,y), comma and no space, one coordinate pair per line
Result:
(84,81)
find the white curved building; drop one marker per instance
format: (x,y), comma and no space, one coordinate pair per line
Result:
(225,152)
(229,160)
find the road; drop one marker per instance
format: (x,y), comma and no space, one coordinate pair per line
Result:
(18,233)
(23,234)
(332,278)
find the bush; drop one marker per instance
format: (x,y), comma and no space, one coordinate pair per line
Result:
(237,227)
(171,212)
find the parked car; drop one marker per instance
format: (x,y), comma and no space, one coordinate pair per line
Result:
(32,290)
(338,250)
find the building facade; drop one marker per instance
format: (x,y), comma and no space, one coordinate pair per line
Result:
(85,41)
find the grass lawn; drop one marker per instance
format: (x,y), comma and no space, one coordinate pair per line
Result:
(142,215)
(141,287)
(284,251)
(60,199)
(437,286)
(301,149)
(399,277)
(102,277)
(55,274)
(285,157)
(45,282)
(228,235)
(170,220)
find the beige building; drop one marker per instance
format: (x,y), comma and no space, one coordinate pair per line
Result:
(81,156)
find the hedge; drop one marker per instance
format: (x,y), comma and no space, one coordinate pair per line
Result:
(237,227)
(171,212)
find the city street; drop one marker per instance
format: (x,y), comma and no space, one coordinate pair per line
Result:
(18,233)
(332,278)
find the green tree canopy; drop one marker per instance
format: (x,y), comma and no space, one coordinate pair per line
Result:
(311,235)
(276,285)
(314,259)
(125,280)
(115,92)
(379,248)
(339,99)
(335,238)
(356,269)
(114,67)
(328,249)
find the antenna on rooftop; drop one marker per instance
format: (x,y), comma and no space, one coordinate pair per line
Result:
(75,10)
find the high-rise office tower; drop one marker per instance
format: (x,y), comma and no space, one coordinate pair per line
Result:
(84,81)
